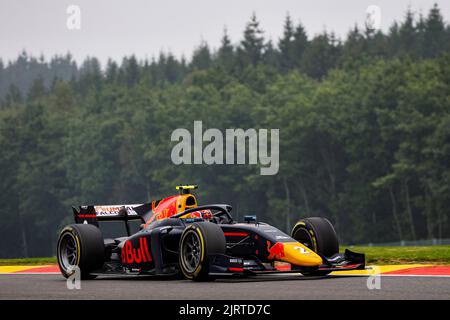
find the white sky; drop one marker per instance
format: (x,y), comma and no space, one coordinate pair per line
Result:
(115,28)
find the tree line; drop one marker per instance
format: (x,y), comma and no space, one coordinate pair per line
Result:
(364,131)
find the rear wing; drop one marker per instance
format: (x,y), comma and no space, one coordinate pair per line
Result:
(124,212)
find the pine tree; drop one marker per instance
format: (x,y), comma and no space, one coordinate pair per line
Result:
(270,55)
(286,46)
(111,71)
(173,70)
(252,46)
(447,38)
(37,89)
(377,45)
(132,71)
(434,40)
(321,55)
(13,95)
(408,35)
(300,44)
(1,78)
(159,68)
(225,54)
(394,39)
(421,28)
(355,45)
(90,75)
(201,58)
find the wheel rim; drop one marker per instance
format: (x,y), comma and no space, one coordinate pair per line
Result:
(191,251)
(68,252)
(305,238)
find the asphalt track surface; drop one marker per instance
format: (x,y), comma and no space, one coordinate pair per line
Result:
(52,286)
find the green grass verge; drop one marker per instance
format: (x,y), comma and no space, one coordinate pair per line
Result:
(27,261)
(374,255)
(405,255)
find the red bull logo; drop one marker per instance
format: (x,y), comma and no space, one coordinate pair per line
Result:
(136,255)
(276,252)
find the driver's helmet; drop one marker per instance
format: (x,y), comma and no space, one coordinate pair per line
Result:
(205,214)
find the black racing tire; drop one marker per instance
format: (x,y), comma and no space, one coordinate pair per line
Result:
(80,245)
(317,234)
(197,242)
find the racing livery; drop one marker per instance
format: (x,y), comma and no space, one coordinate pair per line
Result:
(178,237)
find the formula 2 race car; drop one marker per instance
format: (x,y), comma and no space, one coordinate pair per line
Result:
(178,237)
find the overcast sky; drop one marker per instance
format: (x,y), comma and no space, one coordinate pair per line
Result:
(114,28)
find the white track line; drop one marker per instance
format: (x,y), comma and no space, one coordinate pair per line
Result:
(276,275)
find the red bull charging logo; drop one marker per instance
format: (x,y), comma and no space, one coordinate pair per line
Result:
(276,251)
(136,255)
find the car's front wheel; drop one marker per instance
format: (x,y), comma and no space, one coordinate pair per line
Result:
(317,234)
(198,241)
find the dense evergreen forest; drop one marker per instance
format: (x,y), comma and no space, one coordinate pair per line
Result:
(364,131)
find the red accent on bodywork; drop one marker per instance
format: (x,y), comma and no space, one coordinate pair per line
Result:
(147,252)
(276,251)
(236,269)
(283,267)
(87,215)
(137,255)
(235,234)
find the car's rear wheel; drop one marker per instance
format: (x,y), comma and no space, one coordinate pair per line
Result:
(317,234)
(80,245)
(198,241)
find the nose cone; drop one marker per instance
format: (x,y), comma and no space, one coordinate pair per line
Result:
(300,255)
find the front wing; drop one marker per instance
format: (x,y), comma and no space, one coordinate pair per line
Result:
(223,265)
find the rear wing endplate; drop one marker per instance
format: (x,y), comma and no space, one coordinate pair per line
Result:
(125,212)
